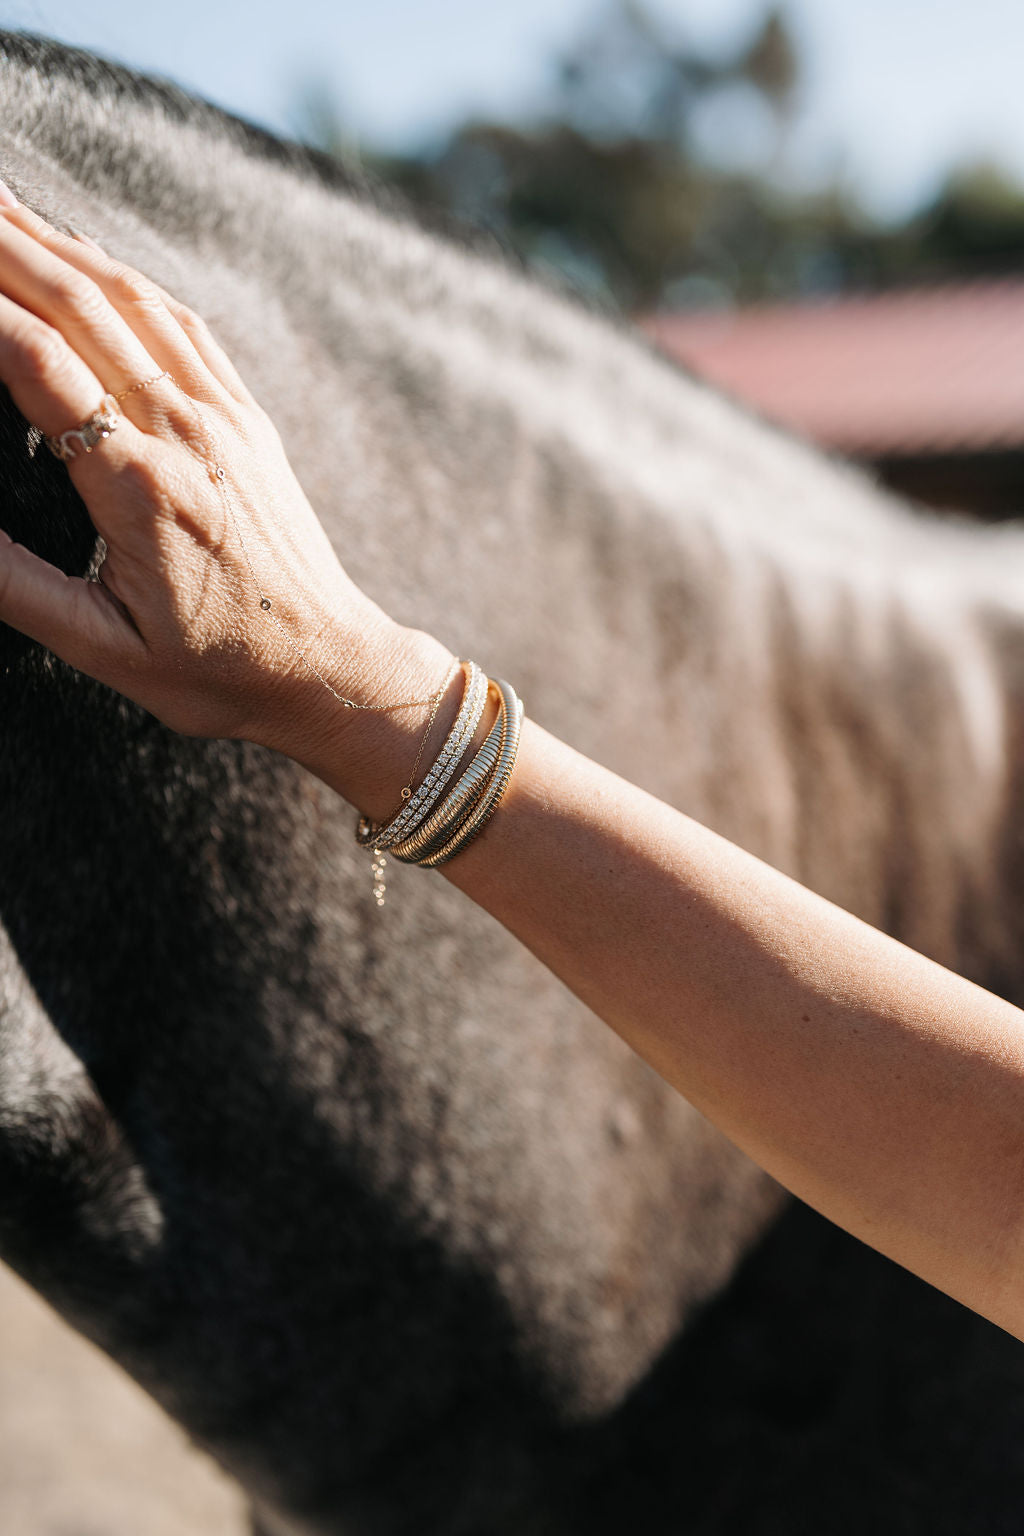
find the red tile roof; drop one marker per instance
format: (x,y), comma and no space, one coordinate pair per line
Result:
(929,370)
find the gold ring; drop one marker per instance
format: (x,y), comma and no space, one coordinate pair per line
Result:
(91,431)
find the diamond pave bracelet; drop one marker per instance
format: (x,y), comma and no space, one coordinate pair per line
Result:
(381,835)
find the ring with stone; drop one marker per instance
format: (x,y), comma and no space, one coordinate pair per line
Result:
(90,432)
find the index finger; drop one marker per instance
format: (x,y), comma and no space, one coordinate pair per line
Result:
(54,388)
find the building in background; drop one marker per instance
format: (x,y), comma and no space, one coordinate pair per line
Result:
(925,386)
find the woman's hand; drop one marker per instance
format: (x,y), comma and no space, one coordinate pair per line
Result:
(200,512)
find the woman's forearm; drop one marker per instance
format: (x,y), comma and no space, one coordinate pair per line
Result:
(883,1089)
(878,1086)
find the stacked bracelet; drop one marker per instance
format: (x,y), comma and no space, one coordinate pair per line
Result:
(462,817)
(382,834)
(436,822)
(458,802)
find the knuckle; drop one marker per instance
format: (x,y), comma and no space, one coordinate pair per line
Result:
(43,354)
(191,322)
(74,294)
(262,424)
(248,422)
(132,291)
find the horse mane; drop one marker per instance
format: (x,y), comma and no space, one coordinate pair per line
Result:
(119,86)
(113,87)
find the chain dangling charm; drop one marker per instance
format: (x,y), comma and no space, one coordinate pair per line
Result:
(377,868)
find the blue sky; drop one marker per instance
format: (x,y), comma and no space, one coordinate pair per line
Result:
(895,89)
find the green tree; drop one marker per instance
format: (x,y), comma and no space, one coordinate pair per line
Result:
(613,185)
(606,185)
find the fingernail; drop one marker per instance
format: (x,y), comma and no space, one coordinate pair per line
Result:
(7,197)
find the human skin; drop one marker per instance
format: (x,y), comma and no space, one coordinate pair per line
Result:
(881,1088)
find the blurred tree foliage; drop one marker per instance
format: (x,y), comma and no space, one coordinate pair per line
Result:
(651,178)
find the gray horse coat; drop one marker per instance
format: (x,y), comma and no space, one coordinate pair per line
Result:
(366,1199)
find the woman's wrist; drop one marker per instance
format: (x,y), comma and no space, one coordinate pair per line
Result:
(366,754)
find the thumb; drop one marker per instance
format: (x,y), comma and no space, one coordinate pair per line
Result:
(78,620)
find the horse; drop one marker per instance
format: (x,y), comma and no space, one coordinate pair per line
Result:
(365,1198)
